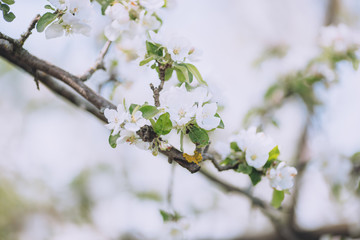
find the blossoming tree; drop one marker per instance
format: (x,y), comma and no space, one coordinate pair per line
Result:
(182,104)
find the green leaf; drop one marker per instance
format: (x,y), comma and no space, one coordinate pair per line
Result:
(154,49)
(221,124)
(45,20)
(185,73)
(168,73)
(277,198)
(199,136)
(147,60)
(10,2)
(9,17)
(170,217)
(274,153)
(163,125)
(5,8)
(112,139)
(148,111)
(195,72)
(49,7)
(235,147)
(255,176)
(180,76)
(132,107)
(244,168)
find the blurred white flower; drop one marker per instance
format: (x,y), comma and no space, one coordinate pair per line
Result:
(180,105)
(119,21)
(256,146)
(282,177)
(115,118)
(60,4)
(340,38)
(152,4)
(134,121)
(205,116)
(222,148)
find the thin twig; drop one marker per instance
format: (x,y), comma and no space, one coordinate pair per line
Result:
(99,64)
(26,35)
(157,90)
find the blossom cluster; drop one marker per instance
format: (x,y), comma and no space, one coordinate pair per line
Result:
(256,154)
(180,109)
(130,23)
(71,16)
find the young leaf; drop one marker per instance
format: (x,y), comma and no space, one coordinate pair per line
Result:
(168,73)
(167,217)
(132,107)
(199,136)
(10,2)
(195,72)
(5,8)
(148,111)
(180,76)
(9,17)
(49,7)
(163,125)
(255,176)
(154,49)
(274,153)
(112,139)
(185,73)
(277,198)
(104,4)
(45,20)
(147,60)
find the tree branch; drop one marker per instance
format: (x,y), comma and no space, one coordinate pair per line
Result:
(31,64)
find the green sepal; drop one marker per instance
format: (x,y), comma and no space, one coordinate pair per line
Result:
(147,60)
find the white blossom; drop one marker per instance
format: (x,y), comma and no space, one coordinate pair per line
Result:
(131,138)
(180,105)
(282,177)
(134,121)
(178,48)
(205,116)
(256,146)
(68,24)
(115,118)
(119,18)
(60,4)
(201,95)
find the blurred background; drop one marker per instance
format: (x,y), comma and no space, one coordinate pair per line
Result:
(61,180)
